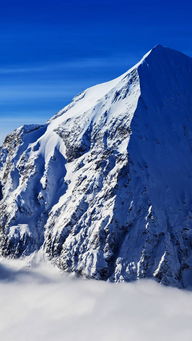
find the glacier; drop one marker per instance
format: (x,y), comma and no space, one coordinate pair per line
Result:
(104,188)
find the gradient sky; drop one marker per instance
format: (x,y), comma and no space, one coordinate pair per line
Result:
(52,50)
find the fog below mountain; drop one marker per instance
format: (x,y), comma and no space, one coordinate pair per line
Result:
(40,303)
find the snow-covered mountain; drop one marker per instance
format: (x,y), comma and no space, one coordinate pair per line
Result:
(105,186)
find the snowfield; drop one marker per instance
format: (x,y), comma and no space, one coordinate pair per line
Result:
(41,303)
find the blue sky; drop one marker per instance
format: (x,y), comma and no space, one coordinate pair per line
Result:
(52,50)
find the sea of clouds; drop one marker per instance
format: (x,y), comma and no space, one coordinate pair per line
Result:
(40,303)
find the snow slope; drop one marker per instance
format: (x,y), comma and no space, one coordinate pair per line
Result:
(104,188)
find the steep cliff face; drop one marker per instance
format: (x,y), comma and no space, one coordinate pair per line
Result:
(104,188)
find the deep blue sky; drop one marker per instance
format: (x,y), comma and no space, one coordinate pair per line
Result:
(52,50)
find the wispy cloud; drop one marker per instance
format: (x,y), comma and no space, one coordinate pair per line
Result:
(74,64)
(39,91)
(20,119)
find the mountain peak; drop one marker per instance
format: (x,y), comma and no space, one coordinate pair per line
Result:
(157,50)
(160,51)
(158,47)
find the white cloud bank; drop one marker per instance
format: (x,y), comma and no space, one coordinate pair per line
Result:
(41,304)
